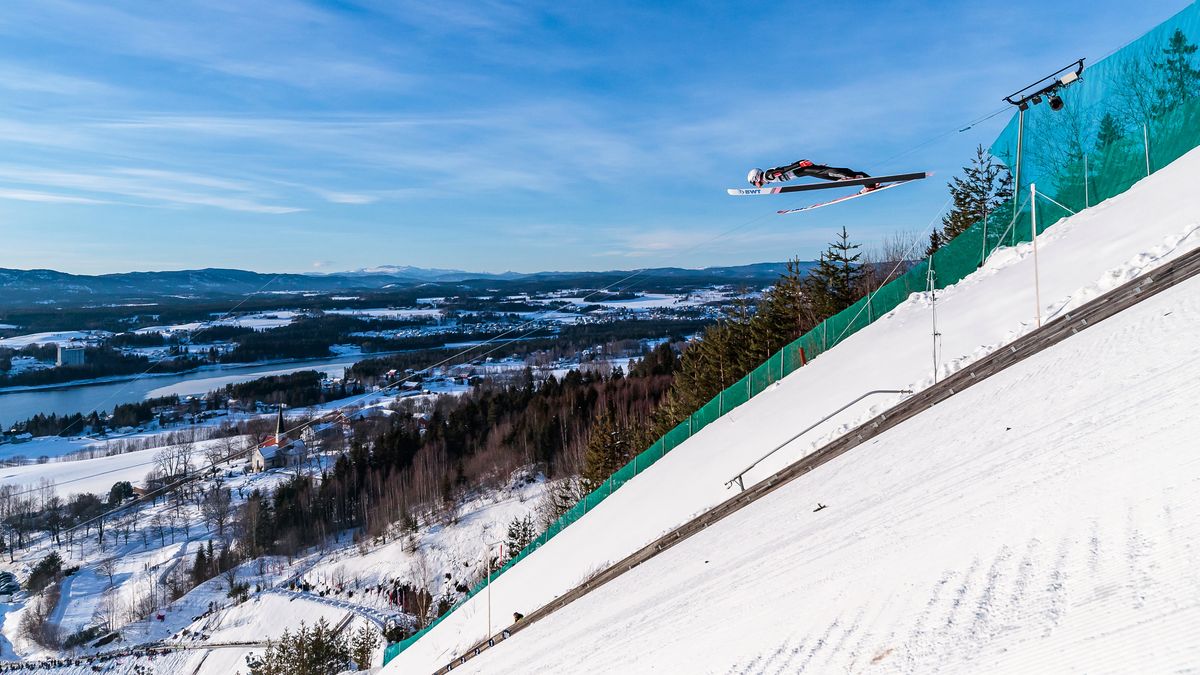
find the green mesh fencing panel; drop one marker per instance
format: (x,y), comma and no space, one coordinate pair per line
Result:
(676,436)
(1131,114)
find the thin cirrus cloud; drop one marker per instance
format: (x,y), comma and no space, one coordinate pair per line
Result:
(149,187)
(19,78)
(257,41)
(46,197)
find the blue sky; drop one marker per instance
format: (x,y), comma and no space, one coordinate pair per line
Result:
(293,135)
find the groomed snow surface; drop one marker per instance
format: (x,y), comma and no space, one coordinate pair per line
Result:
(1080,257)
(1046,520)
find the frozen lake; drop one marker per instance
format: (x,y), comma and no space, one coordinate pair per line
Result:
(19,406)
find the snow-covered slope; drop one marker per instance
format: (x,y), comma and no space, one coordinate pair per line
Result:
(1080,257)
(1045,520)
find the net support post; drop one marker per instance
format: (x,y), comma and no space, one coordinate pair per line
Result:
(1037,287)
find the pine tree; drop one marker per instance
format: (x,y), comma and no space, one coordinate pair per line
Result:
(200,568)
(362,645)
(608,449)
(983,188)
(936,240)
(1109,132)
(833,285)
(1180,81)
(308,651)
(783,314)
(521,533)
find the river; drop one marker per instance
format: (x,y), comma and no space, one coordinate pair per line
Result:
(21,405)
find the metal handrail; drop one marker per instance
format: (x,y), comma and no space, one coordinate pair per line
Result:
(738,478)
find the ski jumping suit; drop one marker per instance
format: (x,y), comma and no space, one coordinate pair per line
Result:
(807,168)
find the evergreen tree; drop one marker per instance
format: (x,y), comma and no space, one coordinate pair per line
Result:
(308,651)
(44,573)
(984,186)
(608,449)
(834,284)
(200,568)
(362,645)
(707,366)
(521,533)
(1180,81)
(120,491)
(936,240)
(1109,132)
(783,314)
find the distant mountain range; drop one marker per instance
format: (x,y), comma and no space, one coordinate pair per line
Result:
(32,288)
(424,273)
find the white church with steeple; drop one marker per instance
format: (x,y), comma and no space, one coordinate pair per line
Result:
(278,451)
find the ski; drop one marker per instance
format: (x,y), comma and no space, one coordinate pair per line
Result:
(839,200)
(905,177)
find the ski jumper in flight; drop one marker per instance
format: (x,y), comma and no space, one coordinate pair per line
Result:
(804,167)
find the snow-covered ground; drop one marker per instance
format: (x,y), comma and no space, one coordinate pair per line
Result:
(1045,520)
(387,313)
(645,301)
(162,538)
(1080,257)
(60,337)
(457,548)
(202,386)
(86,475)
(260,321)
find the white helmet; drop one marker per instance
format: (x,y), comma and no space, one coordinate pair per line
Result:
(755,177)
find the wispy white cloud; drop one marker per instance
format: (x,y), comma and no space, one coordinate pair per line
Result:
(665,242)
(259,41)
(345,197)
(15,77)
(148,186)
(46,197)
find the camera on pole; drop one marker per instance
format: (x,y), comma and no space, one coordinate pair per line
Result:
(1047,88)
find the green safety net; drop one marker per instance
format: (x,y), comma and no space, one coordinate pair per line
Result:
(1131,114)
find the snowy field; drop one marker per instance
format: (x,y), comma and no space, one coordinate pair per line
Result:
(60,337)
(1080,257)
(646,301)
(202,386)
(261,321)
(387,313)
(1046,520)
(45,446)
(95,475)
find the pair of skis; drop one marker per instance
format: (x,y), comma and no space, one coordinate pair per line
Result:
(884,182)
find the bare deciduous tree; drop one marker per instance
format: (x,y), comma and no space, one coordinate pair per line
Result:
(217,509)
(108,567)
(421,574)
